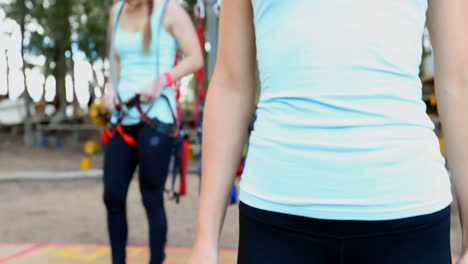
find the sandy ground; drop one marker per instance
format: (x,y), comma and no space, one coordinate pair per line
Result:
(17,157)
(73,212)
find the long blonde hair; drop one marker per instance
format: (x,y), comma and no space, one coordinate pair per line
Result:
(147,27)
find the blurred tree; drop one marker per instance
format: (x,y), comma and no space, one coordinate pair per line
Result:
(91,32)
(189,5)
(53,28)
(18,10)
(49,35)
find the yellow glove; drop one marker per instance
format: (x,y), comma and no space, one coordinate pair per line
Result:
(98,114)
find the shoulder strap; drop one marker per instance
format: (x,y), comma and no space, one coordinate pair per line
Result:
(118,11)
(161,10)
(160,14)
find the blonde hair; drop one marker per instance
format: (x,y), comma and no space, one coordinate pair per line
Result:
(147,27)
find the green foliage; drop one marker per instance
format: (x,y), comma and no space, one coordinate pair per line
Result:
(91,28)
(189,5)
(53,27)
(48,27)
(59,23)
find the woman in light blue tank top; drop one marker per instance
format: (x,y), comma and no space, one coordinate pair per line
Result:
(343,165)
(145,38)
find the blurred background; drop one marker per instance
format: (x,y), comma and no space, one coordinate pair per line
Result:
(53,68)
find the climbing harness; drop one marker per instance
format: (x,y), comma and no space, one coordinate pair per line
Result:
(122,109)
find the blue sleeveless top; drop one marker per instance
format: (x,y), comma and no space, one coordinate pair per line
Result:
(342,132)
(138,69)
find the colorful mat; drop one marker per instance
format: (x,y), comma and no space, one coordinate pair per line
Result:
(95,254)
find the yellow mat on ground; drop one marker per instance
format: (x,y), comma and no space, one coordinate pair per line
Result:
(95,254)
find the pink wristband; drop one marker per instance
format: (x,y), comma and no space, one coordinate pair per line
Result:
(169,78)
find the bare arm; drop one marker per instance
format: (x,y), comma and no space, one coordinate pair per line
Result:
(178,23)
(110,97)
(229,107)
(113,54)
(448,25)
(181,27)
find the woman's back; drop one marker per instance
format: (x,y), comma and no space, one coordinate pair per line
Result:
(342,131)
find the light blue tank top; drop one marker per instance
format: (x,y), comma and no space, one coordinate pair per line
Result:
(342,132)
(138,69)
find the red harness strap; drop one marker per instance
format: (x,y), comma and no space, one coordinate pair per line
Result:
(184,167)
(109,132)
(117,127)
(106,136)
(127,138)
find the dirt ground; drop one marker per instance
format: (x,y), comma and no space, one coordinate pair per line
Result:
(14,156)
(73,212)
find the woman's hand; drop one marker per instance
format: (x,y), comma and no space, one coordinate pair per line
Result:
(153,90)
(203,254)
(463,259)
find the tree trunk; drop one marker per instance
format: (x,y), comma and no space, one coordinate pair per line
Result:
(61,11)
(103,72)
(76,104)
(7,64)
(60,72)
(96,81)
(28,128)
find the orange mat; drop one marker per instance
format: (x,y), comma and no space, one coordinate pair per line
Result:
(93,254)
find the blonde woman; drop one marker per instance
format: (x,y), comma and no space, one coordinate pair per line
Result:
(136,25)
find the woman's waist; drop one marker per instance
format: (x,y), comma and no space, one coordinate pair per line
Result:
(339,79)
(379,144)
(163,108)
(291,114)
(377,179)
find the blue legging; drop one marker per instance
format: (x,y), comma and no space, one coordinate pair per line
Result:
(153,155)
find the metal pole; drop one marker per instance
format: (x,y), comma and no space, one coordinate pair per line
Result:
(212,23)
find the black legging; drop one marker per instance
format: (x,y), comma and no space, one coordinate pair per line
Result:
(153,155)
(274,238)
